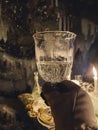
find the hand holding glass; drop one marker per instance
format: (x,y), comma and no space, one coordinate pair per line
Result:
(54,57)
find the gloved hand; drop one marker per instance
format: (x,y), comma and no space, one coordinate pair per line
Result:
(71,106)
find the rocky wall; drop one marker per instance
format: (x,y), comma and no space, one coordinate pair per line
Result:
(16,75)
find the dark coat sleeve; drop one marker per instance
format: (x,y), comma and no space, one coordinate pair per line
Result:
(83,112)
(72,109)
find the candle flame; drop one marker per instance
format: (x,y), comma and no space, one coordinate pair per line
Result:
(95,72)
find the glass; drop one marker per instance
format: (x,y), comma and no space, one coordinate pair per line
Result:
(78,78)
(54,57)
(54,54)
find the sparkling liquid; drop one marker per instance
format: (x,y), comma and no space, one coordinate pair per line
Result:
(54,71)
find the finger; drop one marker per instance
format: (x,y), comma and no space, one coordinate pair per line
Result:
(50,93)
(69,85)
(48,87)
(50,90)
(63,86)
(51,98)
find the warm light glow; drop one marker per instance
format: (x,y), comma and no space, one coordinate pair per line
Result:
(95,82)
(94,72)
(75,81)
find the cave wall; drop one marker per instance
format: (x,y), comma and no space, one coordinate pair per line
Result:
(16,75)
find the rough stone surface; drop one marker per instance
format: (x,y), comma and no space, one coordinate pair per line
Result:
(16,75)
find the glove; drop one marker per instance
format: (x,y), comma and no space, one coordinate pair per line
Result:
(71,106)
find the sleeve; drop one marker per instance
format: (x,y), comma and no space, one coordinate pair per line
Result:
(83,112)
(72,109)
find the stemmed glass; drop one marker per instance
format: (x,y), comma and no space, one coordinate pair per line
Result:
(54,55)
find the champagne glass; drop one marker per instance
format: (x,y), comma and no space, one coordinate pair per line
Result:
(54,52)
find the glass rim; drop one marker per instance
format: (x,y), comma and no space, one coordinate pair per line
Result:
(43,32)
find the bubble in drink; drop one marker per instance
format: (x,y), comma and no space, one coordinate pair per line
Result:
(54,71)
